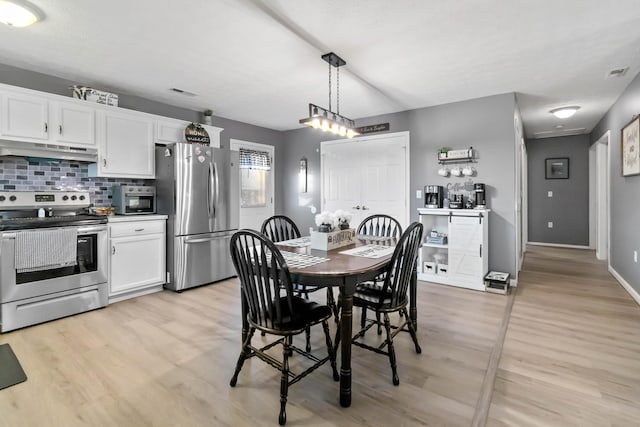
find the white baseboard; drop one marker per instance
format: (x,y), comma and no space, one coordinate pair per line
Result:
(634,294)
(513,283)
(559,245)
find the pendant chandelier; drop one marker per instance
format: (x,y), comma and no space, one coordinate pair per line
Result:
(325,119)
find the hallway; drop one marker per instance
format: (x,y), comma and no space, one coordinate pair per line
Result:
(571,354)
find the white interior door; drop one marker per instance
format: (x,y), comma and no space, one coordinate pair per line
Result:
(255,187)
(366,176)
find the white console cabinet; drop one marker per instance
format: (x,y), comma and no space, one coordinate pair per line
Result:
(463,260)
(137,262)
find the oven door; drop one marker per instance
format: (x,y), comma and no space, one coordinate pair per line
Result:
(90,270)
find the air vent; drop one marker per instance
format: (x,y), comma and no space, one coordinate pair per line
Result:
(575,130)
(617,72)
(182,92)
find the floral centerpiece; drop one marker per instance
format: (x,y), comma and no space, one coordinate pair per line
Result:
(326,221)
(343,218)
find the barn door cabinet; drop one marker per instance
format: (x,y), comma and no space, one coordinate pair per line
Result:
(461,260)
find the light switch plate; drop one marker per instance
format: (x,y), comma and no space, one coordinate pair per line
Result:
(635,256)
(549,193)
(418,194)
(550,224)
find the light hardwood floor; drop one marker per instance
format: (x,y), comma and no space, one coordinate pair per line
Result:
(571,356)
(166,360)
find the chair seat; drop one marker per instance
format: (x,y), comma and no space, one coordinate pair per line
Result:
(308,313)
(374,286)
(370,297)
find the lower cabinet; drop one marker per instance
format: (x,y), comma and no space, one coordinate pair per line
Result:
(137,262)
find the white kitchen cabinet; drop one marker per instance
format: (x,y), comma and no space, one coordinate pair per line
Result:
(463,260)
(169,131)
(125,145)
(25,117)
(137,262)
(74,124)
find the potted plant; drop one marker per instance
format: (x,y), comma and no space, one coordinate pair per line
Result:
(207,116)
(325,221)
(442,152)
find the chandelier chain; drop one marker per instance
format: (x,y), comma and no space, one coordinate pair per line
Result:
(338,89)
(329,86)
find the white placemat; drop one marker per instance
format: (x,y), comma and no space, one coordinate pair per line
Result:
(295,260)
(370,251)
(297,243)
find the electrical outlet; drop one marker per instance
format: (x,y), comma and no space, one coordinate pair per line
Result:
(418,194)
(549,193)
(550,224)
(635,256)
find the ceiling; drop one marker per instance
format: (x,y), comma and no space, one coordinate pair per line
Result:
(258,61)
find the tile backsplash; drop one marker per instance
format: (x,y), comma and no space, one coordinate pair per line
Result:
(21,174)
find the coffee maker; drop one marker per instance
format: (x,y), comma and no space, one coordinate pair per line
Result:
(481,197)
(433,195)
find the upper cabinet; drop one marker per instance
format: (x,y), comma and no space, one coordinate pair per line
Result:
(125,145)
(75,124)
(168,131)
(123,139)
(31,118)
(25,117)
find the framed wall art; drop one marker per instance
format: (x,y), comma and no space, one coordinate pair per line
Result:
(631,148)
(557,168)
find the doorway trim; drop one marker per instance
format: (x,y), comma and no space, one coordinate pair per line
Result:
(600,180)
(236,144)
(406,139)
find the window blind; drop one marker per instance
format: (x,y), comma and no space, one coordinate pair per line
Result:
(254,159)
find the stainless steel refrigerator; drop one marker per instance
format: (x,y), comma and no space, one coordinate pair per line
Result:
(197,187)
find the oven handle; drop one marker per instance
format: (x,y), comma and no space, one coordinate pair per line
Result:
(92,229)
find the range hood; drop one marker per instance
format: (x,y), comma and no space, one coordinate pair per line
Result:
(49,151)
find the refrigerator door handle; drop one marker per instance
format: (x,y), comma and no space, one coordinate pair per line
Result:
(216,187)
(206,239)
(210,205)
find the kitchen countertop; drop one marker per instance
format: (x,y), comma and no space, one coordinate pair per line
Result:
(130,218)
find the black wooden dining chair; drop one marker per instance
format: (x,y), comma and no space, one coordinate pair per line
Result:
(392,297)
(379,225)
(272,307)
(383,226)
(279,228)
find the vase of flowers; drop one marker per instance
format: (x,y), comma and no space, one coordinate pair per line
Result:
(326,222)
(343,218)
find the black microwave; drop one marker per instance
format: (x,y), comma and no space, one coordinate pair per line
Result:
(134,199)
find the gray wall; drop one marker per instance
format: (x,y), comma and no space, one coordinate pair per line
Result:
(484,123)
(568,209)
(232,129)
(625,192)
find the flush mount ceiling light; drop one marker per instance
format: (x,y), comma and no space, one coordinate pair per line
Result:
(19,13)
(325,119)
(564,112)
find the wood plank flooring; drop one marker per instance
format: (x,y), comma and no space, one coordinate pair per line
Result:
(571,356)
(166,359)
